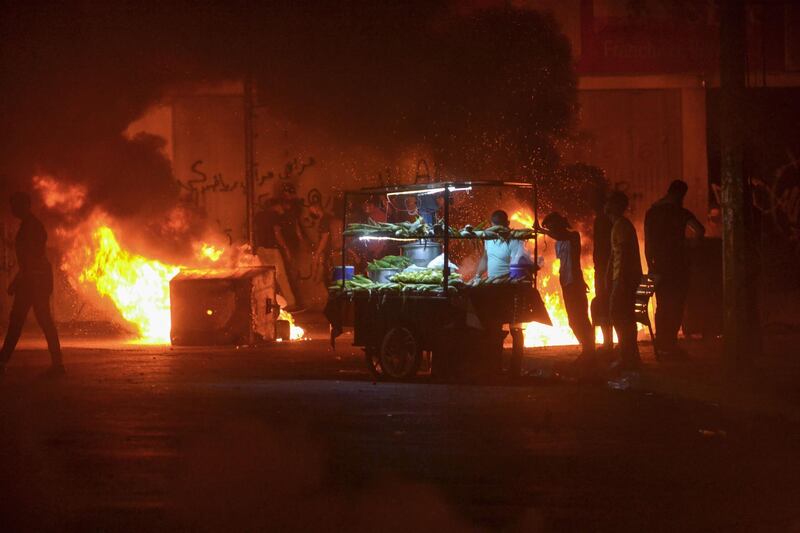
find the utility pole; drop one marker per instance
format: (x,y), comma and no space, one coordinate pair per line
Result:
(734,229)
(249,160)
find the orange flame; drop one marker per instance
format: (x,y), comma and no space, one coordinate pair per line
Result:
(295,331)
(209,251)
(559,334)
(523,218)
(137,286)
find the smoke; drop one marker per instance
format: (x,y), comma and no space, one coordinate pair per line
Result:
(488,91)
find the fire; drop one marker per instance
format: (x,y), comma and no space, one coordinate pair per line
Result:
(523,218)
(139,287)
(209,251)
(559,334)
(295,331)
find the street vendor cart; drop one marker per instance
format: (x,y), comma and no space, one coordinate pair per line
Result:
(402,305)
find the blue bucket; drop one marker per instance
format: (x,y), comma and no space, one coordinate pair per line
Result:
(520,271)
(349,272)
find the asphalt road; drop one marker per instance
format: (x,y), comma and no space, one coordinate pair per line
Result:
(294,437)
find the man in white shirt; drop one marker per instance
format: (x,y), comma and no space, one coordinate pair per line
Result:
(499,255)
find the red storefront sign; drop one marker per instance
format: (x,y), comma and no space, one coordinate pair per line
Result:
(662,37)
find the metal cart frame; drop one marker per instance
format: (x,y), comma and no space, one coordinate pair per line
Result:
(402,331)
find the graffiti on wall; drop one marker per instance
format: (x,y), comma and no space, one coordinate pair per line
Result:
(292,170)
(287,182)
(779,199)
(197,187)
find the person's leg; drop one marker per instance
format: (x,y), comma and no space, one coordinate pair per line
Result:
(670,300)
(272,256)
(577,306)
(623,318)
(681,293)
(626,330)
(41,309)
(633,358)
(664,305)
(608,336)
(19,311)
(600,310)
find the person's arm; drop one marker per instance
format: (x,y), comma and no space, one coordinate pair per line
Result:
(482,267)
(698,230)
(541,229)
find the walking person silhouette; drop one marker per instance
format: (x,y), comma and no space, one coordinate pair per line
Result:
(32,286)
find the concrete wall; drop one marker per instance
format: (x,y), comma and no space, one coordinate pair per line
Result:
(208,140)
(208,160)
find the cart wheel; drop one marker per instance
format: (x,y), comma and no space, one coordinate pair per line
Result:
(373,360)
(399,354)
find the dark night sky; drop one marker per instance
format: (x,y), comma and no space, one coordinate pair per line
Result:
(473,83)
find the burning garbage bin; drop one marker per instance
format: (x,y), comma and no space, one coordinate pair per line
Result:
(212,307)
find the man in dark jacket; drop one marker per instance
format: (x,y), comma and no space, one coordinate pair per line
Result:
(32,285)
(665,249)
(624,277)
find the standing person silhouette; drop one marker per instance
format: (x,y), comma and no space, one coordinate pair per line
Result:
(573,286)
(667,254)
(32,286)
(624,275)
(601,253)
